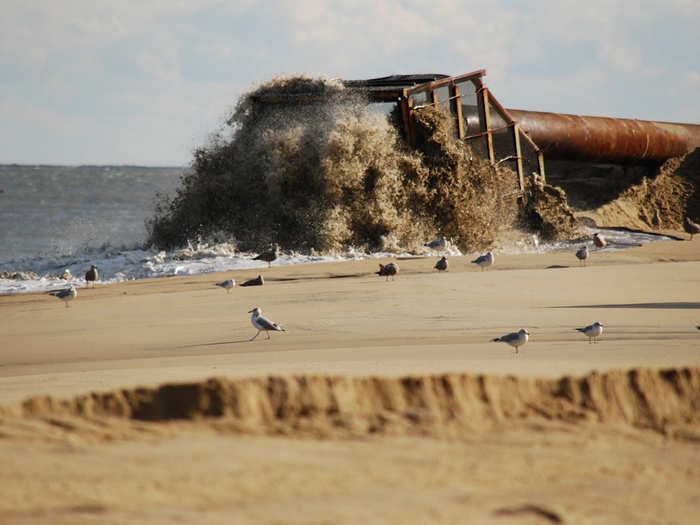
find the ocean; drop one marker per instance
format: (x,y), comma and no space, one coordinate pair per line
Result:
(58,220)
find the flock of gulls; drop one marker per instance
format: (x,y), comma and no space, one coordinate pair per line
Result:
(390,270)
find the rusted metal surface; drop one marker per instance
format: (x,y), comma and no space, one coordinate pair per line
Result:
(574,137)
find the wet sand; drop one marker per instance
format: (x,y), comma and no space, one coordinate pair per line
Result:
(343,320)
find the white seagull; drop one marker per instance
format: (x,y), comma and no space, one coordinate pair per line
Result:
(437,244)
(484,260)
(227,284)
(514,339)
(592,331)
(66,295)
(263,323)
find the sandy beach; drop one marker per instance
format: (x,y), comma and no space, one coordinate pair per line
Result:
(635,461)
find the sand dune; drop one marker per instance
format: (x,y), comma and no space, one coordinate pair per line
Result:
(445,405)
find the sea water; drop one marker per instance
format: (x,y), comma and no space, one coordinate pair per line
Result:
(56,221)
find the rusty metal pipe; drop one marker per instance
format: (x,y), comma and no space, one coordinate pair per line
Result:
(603,139)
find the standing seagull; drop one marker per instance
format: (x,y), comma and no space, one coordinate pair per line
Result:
(263,323)
(599,240)
(269,256)
(92,275)
(441,265)
(484,260)
(582,254)
(514,339)
(691,227)
(227,285)
(592,331)
(437,244)
(389,270)
(66,295)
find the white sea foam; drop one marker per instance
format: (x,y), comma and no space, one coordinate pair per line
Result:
(117,265)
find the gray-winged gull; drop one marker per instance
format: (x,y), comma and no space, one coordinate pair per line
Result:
(437,244)
(484,260)
(263,323)
(227,285)
(66,295)
(592,331)
(514,339)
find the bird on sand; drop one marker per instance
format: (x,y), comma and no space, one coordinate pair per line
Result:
(66,295)
(269,256)
(592,331)
(599,240)
(691,227)
(441,265)
(582,254)
(484,260)
(263,323)
(514,339)
(92,275)
(388,270)
(258,281)
(437,244)
(227,285)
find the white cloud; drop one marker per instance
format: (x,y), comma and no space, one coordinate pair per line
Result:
(172,68)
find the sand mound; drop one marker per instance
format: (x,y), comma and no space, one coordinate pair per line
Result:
(333,175)
(674,193)
(441,405)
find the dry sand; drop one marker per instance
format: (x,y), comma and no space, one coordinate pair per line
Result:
(455,442)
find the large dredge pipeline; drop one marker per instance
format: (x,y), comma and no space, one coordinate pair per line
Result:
(601,139)
(478,115)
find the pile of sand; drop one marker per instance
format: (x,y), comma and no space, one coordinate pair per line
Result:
(441,406)
(332,174)
(671,195)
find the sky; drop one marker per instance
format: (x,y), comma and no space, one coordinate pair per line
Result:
(145,82)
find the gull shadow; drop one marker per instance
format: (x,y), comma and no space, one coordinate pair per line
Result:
(217,343)
(556,266)
(659,306)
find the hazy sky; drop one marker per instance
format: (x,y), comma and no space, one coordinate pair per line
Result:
(145,82)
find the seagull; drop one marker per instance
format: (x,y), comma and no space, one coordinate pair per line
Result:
(599,240)
(269,255)
(441,265)
(592,331)
(582,254)
(390,270)
(92,274)
(484,260)
(227,284)
(691,227)
(258,281)
(66,295)
(437,244)
(514,339)
(263,323)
